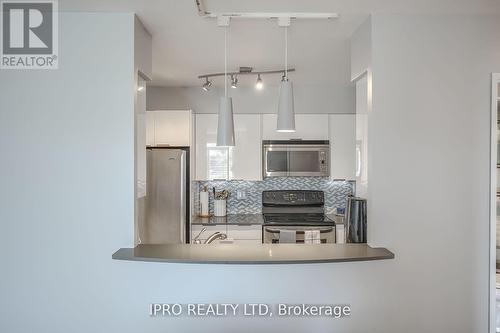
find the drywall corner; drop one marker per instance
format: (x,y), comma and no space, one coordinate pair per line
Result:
(143,49)
(361,49)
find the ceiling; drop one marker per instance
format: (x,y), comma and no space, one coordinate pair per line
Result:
(186,45)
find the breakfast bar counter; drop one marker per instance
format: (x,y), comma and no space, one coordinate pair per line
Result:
(253,254)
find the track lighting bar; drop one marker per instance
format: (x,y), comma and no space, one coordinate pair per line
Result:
(257,15)
(204,12)
(206,76)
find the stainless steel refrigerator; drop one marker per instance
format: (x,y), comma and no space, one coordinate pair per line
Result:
(167,208)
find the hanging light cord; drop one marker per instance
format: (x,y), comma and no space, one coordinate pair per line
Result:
(225,61)
(286,53)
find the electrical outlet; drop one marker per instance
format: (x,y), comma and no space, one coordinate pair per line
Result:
(241,195)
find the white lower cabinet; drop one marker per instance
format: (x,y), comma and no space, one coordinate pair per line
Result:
(237,234)
(245,232)
(342,130)
(241,162)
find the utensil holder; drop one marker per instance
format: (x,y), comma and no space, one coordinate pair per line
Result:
(220,207)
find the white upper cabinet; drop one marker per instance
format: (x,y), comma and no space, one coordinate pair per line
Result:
(242,162)
(141,169)
(246,156)
(141,140)
(342,138)
(205,143)
(150,129)
(172,128)
(308,127)
(362,107)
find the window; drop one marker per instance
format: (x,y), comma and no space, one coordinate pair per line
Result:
(218,162)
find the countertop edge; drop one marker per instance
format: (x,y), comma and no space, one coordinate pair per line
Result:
(228,220)
(127,254)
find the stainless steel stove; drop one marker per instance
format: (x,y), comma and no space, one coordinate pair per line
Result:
(296,217)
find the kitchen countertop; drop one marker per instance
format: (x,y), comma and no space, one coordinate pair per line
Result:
(338,219)
(234,219)
(252,254)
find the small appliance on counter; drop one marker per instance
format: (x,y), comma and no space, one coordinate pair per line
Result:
(355,220)
(296,217)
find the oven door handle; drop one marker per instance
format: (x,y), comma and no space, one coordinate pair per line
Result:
(298,230)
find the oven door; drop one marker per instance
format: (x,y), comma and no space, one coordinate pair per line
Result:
(271,235)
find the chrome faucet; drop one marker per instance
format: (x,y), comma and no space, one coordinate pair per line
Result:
(214,236)
(197,240)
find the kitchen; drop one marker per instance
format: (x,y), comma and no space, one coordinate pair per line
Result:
(72,188)
(244,150)
(247,177)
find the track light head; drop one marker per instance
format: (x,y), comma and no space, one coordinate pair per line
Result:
(206,86)
(234,81)
(259,84)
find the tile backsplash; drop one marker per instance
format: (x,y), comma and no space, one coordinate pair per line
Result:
(336,192)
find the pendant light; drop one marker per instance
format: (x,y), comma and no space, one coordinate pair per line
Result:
(225,122)
(286,112)
(259,84)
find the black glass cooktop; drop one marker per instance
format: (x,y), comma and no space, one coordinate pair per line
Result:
(309,219)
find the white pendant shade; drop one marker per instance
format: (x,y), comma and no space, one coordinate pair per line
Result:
(225,124)
(286,112)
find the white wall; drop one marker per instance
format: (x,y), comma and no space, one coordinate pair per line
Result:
(143,71)
(327,98)
(67,145)
(143,49)
(67,180)
(313,94)
(361,49)
(429,136)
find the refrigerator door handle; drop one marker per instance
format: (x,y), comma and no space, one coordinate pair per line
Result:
(183,198)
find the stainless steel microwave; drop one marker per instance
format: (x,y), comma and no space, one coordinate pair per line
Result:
(297,158)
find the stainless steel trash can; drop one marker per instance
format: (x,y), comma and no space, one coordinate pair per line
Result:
(355,220)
